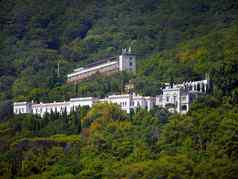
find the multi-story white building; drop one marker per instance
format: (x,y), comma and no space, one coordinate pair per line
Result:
(178,97)
(127,102)
(125,62)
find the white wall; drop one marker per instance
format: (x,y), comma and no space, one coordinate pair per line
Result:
(43,108)
(22,108)
(121,100)
(127,62)
(76,102)
(127,102)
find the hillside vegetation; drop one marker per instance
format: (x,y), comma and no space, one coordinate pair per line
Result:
(35,36)
(104,142)
(174,41)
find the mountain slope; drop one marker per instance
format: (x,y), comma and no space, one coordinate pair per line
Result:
(36,36)
(214,54)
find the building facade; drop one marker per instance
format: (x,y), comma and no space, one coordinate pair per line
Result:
(127,102)
(22,107)
(177,98)
(125,62)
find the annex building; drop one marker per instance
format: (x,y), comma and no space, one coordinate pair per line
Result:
(178,97)
(124,62)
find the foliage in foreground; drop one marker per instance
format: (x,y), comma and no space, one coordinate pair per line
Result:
(111,144)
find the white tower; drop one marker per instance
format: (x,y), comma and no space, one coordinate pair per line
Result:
(127,61)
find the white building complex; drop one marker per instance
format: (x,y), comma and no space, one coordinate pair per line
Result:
(125,62)
(127,102)
(175,98)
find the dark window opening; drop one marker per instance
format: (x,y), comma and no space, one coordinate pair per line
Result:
(198,87)
(184,108)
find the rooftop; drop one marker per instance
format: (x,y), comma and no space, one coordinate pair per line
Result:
(108,63)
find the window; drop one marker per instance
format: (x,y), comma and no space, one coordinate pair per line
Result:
(131,64)
(175,98)
(184,98)
(198,87)
(203,87)
(132,103)
(167,98)
(124,103)
(184,108)
(146,103)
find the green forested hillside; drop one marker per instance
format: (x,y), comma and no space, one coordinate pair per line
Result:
(174,40)
(35,36)
(214,54)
